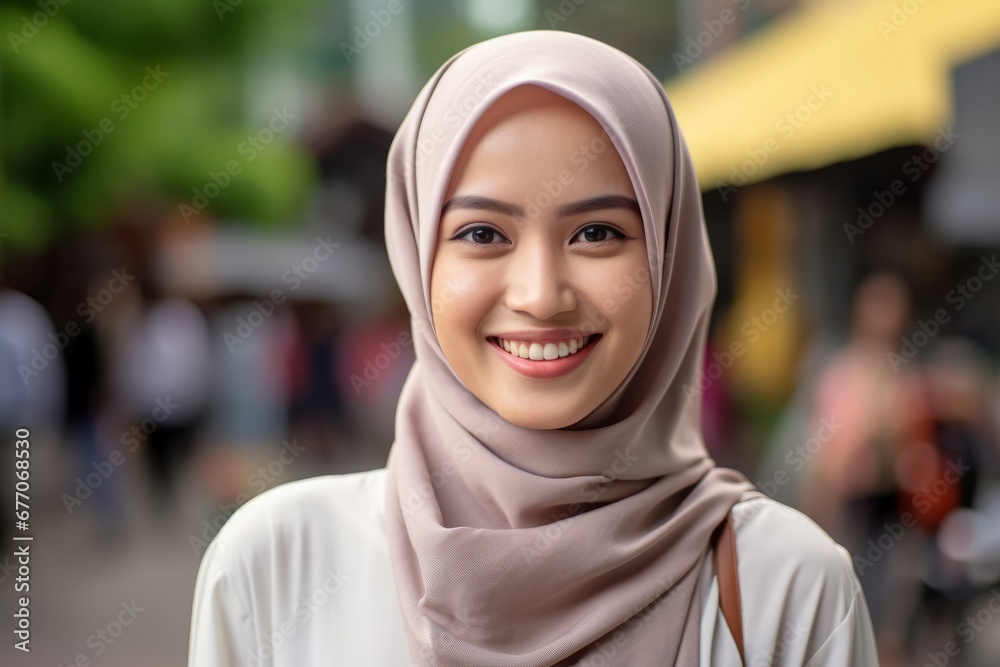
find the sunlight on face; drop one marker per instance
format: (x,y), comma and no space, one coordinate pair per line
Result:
(540,248)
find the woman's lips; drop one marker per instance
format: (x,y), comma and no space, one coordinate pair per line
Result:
(545,368)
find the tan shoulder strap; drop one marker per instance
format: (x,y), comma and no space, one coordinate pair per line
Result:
(724,556)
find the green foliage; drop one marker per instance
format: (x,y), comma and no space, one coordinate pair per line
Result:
(102,102)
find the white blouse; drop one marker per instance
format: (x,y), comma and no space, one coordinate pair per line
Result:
(300,576)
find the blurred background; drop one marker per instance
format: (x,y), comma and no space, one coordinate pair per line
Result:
(196,305)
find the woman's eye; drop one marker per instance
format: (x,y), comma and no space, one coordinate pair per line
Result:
(481,236)
(598,233)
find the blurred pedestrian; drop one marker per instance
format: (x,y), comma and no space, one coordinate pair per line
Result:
(872,411)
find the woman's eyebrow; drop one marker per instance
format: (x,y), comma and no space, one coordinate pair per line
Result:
(599,203)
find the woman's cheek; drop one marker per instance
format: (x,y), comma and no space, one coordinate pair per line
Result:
(457,301)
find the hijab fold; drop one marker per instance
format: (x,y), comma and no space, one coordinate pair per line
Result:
(521,547)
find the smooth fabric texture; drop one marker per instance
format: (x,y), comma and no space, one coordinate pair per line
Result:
(503,552)
(263,596)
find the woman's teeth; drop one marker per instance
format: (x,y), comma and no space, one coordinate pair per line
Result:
(540,351)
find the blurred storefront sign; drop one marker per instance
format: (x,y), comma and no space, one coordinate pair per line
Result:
(832,82)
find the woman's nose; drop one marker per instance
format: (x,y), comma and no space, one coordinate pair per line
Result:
(538,282)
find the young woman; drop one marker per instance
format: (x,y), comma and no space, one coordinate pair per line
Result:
(548,499)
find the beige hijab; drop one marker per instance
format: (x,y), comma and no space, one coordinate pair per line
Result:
(522,547)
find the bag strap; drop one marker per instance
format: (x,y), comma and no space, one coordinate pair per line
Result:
(724,558)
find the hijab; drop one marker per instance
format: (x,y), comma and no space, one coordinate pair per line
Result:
(513,546)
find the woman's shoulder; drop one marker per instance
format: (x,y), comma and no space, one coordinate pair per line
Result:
(309,560)
(327,496)
(324,490)
(801,599)
(320,513)
(782,539)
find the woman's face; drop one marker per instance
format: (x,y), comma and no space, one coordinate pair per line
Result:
(540,245)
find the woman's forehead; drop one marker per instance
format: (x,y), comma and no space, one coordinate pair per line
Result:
(534,138)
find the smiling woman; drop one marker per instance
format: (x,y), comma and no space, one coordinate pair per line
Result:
(548,499)
(529,294)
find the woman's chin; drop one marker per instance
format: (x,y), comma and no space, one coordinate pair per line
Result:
(538,415)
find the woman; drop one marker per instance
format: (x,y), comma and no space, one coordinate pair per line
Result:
(553,506)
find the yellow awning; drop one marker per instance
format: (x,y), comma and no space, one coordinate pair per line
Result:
(835,80)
